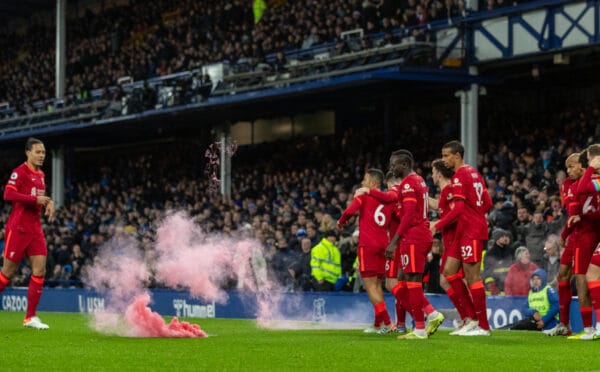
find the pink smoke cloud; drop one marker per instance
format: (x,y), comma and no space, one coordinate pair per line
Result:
(119,270)
(184,258)
(190,259)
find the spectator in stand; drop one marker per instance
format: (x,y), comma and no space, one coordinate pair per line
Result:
(503,213)
(348,246)
(63,268)
(280,263)
(325,263)
(517,278)
(520,227)
(313,234)
(497,261)
(296,242)
(553,210)
(279,65)
(538,231)
(300,270)
(551,260)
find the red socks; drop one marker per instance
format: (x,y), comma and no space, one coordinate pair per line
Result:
(4,280)
(462,294)
(456,302)
(415,303)
(586,316)
(381,314)
(479,303)
(564,301)
(34,292)
(401,293)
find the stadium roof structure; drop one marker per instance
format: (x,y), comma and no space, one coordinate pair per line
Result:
(10,9)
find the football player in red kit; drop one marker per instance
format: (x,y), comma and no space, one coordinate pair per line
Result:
(26,189)
(373,238)
(471,203)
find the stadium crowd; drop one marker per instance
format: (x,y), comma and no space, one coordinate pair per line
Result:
(294,197)
(145,39)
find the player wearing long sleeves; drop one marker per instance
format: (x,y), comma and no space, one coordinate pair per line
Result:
(26,190)
(414,239)
(471,203)
(568,238)
(589,184)
(441,176)
(373,238)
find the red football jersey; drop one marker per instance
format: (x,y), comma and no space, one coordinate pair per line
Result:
(567,193)
(468,185)
(373,220)
(414,225)
(395,219)
(445,204)
(587,201)
(23,188)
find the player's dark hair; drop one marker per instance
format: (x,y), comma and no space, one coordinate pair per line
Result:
(32,141)
(404,156)
(455,147)
(439,165)
(593,150)
(377,174)
(583,159)
(403,152)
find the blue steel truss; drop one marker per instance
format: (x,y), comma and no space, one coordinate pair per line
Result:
(534,28)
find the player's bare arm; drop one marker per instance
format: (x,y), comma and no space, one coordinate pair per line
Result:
(361,191)
(432,226)
(43,200)
(433,203)
(49,210)
(573,220)
(391,248)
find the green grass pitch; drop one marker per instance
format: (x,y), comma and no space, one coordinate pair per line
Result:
(70,345)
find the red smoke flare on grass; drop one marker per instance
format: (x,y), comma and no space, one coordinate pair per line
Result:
(146,323)
(120,273)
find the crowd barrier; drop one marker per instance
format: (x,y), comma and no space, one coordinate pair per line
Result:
(305,306)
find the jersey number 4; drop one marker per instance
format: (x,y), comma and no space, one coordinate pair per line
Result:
(587,207)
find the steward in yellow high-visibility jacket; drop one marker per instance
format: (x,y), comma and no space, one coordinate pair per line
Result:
(326,263)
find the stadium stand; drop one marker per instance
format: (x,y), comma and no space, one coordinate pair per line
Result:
(144,40)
